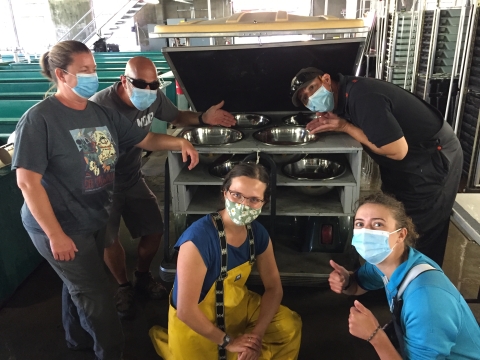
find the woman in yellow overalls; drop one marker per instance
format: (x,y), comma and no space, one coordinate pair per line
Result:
(212,313)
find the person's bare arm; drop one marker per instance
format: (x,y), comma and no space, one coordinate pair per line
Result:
(384,347)
(363,324)
(395,150)
(29,182)
(343,281)
(191,271)
(271,298)
(214,116)
(155,142)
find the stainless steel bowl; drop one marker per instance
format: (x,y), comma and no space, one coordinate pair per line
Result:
(222,169)
(212,136)
(300,119)
(314,168)
(251,121)
(210,158)
(282,159)
(314,190)
(285,135)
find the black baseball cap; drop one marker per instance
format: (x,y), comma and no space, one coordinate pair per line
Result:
(301,80)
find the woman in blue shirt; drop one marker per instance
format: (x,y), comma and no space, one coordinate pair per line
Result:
(434,322)
(212,314)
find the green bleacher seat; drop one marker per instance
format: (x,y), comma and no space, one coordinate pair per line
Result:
(100,65)
(15,109)
(35,87)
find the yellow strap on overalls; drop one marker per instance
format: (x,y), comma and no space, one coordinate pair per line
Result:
(242,307)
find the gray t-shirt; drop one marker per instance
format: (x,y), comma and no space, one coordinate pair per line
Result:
(128,170)
(76,152)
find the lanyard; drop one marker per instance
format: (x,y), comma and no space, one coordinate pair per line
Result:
(219,294)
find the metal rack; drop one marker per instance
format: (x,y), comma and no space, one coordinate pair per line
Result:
(445,70)
(251,79)
(197,192)
(424,51)
(401,48)
(443,38)
(467,122)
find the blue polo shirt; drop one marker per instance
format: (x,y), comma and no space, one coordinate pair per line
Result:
(204,235)
(436,320)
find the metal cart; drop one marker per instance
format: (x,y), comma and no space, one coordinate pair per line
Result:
(251,78)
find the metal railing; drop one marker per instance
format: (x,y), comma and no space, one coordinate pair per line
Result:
(65,36)
(92,28)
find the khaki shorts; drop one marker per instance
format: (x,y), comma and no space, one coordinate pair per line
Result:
(139,209)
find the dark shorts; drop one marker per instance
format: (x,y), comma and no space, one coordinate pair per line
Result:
(139,209)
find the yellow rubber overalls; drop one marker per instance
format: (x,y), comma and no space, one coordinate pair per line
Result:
(241,309)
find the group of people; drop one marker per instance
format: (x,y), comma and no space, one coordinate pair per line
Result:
(78,159)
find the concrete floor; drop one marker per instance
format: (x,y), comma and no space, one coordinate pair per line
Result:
(31,328)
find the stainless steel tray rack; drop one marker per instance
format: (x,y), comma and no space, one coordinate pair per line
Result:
(196,192)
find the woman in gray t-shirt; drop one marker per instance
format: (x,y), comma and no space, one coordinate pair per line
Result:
(66,150)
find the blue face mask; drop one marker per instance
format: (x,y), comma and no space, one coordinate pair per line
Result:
(142,98)
(372,245)
(321,100)
(87,85)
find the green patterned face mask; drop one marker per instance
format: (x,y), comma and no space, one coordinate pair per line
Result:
(241,214)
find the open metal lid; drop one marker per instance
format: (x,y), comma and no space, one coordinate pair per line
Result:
(256,78)
(260,24)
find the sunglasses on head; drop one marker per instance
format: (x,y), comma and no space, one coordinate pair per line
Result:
(142,84)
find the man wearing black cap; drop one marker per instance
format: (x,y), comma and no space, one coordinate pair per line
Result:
(419,155)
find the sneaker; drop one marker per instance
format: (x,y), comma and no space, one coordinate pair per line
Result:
(125,302)
(146,284)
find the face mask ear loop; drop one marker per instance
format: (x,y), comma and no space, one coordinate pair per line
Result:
(393,232)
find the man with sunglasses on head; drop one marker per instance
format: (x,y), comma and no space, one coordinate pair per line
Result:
(419,155)
(138,96)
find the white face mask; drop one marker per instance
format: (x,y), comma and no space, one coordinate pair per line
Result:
(372,245)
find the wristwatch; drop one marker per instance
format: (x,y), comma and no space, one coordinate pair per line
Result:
(226,341)
(345,287)
(200,120)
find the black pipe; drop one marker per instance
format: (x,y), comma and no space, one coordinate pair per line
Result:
(265,158)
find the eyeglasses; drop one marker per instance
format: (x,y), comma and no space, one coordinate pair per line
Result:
(238,197)
(302,79)
(142,84)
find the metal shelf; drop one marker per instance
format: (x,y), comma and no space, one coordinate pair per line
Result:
(289,202)
(331,142)
(200,176)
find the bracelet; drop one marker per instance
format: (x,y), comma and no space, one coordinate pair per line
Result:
(376,330)
(349,282)
(200,120)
